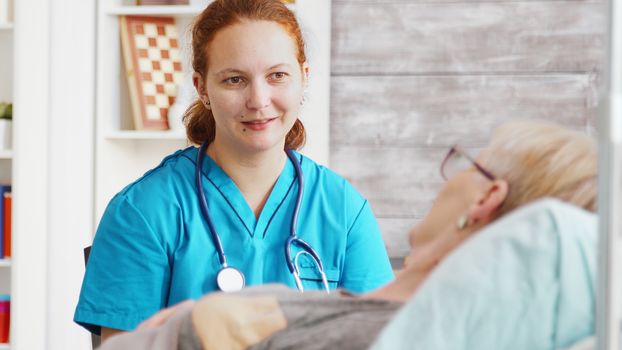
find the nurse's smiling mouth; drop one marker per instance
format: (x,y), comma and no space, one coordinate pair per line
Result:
(258,124)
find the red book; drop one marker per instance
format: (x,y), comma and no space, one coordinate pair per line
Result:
(5,318)
(7,224)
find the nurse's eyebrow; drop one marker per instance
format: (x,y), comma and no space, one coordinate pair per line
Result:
(237,71)
(229,71)
(280,65)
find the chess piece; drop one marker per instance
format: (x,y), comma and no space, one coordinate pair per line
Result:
(185,95)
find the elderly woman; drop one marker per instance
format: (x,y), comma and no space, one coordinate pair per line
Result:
(524,161)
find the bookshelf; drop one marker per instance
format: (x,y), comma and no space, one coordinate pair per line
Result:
(119,146)
(51,167)
(6,155)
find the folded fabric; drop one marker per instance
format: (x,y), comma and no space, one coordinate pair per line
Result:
(527,281)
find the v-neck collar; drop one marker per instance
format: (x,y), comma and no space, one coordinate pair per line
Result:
(282,188)
(256,227)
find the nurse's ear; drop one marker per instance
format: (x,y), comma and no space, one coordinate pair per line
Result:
(305,74)
(305,81)
(199,85)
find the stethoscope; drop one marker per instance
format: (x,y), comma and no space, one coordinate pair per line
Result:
(230,279)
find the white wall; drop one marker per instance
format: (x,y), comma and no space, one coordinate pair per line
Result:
(71,152)
(53,169)
(30,166)
(315,20)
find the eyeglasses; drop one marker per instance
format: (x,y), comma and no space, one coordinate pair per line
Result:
(458,160)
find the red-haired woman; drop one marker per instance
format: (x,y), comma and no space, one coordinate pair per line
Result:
(244,208)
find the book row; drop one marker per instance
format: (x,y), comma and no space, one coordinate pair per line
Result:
(5,221)
(5,317)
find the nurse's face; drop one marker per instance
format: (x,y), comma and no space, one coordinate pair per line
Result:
(254,84)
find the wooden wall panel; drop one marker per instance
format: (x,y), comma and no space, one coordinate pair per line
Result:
(411,77)
(379,2)
(415,111)
(466,37)
(395,235)
(399,182)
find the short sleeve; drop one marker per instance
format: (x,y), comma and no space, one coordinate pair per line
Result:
(127,276)
(367,265)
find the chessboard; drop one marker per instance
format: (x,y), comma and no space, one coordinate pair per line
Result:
(153,68)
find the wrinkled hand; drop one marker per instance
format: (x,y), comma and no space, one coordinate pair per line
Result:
(163,315)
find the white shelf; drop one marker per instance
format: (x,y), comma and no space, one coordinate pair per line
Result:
(145,135)
(5,262)
(6,154)
(6,26)
(164,10)
(4,346)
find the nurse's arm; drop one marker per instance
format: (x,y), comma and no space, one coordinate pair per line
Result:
(109,332)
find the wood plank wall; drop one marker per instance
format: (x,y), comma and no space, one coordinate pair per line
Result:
(410,78)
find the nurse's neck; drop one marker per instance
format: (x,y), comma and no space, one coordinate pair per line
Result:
(253,173)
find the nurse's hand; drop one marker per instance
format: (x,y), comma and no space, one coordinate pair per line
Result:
(163,315)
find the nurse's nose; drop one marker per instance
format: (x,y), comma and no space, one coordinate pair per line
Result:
(259,96)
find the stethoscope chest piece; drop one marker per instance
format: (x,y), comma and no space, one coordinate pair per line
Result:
(230,279)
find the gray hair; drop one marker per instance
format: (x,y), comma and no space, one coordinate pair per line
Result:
(542,159)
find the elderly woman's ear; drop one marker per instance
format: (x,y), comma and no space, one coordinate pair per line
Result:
(484,210)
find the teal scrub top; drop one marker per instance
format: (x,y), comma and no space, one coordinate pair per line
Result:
(153,249)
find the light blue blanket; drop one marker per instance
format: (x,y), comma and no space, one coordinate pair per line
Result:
(528,281)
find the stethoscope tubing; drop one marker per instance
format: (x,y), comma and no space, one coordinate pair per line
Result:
(293,236)
(204,208)
(291,239)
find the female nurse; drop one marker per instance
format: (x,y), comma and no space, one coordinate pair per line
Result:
(155,245)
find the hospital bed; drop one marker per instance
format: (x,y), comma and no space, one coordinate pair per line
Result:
(527,281)
(585,315)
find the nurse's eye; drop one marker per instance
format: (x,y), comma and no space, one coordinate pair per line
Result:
(278,76)
(233,81)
